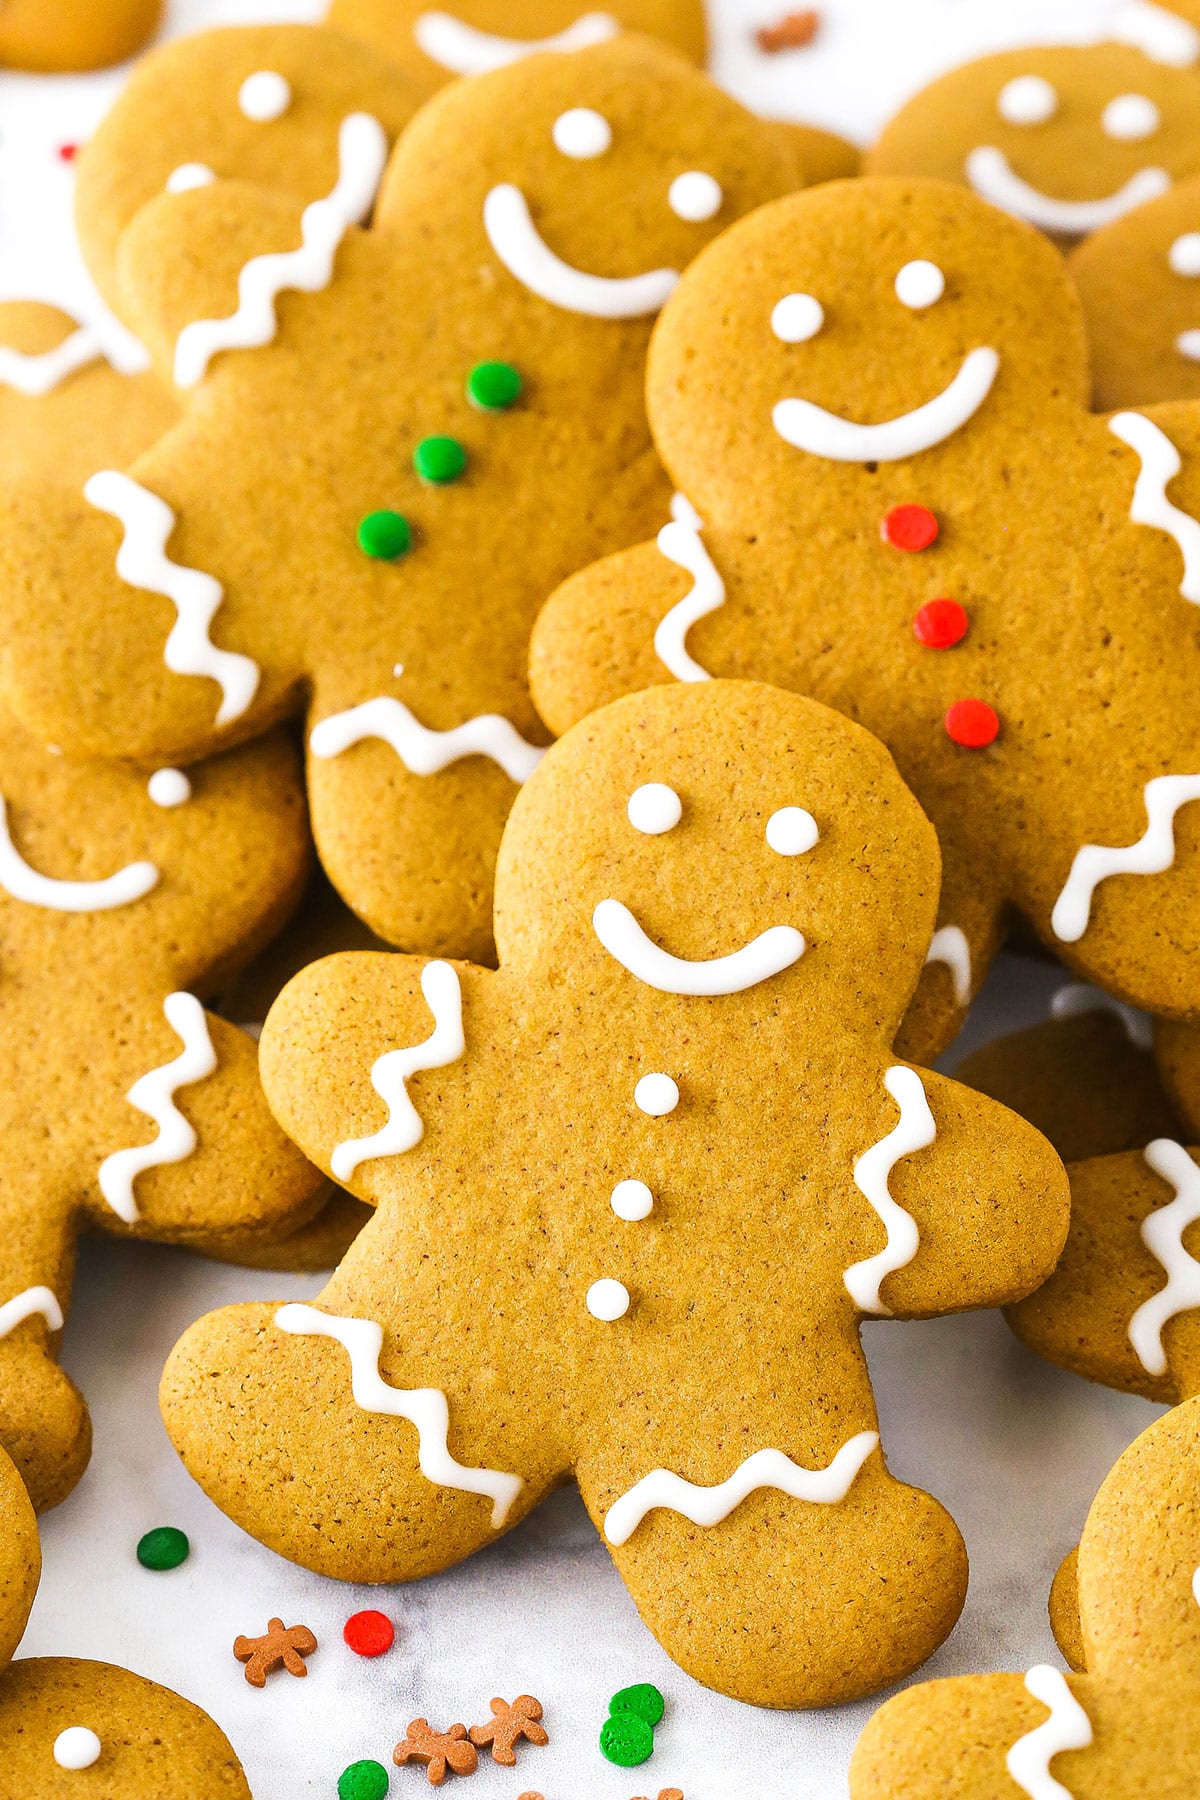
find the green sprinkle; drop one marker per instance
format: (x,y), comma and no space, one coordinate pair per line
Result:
(363,1781)
(439,459)
(493,386)
(642,1699)
(626,1740)
(384,535)
(163,1548)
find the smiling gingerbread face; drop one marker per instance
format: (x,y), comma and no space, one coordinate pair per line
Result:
(1068,139)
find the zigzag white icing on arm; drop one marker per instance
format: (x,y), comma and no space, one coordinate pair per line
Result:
(1067,1728)
(25,1305)
(709,1505)
(949,946)
(362,156)
(422,750)
(445,1044)
(1153,853)
(142,561)
(23,883)
(872,1172)
(1162,1233)
(154,1095)
(680,544)
(1161,463)
(1078,998)
(39,374)
(426,1408)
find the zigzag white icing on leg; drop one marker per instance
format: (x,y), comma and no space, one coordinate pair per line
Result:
(680,544)
(426,1408)
(445,1044)
(422,750)
(872,1172)
(39,374)
(25,884)
(1153,853)
(25,1305)
(1162,1233)
(154,1095)
(1160,464)
(1067,1728)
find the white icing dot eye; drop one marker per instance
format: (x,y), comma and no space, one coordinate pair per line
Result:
(1131,117)
(1184,254)
(169,787)
(791,831)
(654,808)
(264,96)
(1027,100)
(796,318)
(656,1095)
(632,1200)
(608,1300)
(581,133)
(77,1748)
(187,176)
(695,196)
(920,284)
(1188,345)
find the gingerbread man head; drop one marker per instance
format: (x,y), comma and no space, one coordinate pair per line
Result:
(74,34)
(634,1193)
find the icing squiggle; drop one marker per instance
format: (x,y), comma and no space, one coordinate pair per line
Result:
(389,1074)
(1161,463)
(465,50)
(1080,997)
(426,1408)
(23,883)
(915,1130)
(142,561)
(949,946)
(1067,1728)
(422,750)
(680,543)
(808,427)
(769,954)
(154,1095)
(362,155)
(1162,1233)
(1153,853)
(1156,33)
(36,375)
(529,259)
(995,180)
(709,1505)
(25,1305)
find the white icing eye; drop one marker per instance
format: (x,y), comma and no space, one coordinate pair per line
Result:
(169,787)
(796,318)
(656,1095)
(1184,254)
(920,284)
(695,196)
(654,808)
(632,1200)
(1131,117)
(77,1747)
(1188,345)
(791,831)
(581,133)
(188,176)
(264,96)
(608,1300)
(1027,100)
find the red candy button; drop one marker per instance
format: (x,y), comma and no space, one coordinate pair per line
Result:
(910,528)
(68,152)
(369,1633)
(940,624)
(973,724)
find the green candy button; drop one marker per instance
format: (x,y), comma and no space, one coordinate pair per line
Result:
(626,1740)
(384,535)
(493,386)
(439,459)
(163,1548)
(642,1699)
(363,1781)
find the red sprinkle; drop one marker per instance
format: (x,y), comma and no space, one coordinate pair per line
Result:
(369,1633)
(68,152)
(940,624)
(973,724)
(910,528)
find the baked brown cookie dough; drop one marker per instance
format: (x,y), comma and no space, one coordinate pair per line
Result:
(59,36)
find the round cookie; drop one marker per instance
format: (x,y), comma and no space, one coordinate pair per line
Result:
(68,35)
(1068,139)
(712,903)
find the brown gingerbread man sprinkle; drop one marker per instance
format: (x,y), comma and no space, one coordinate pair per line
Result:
(281,1647)
(440,1751)
(508,1725)
(795,31)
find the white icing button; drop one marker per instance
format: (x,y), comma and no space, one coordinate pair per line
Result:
(1027,100)
(264,96)
(656,1095)
(796,318)
(632,1200)
(76,1748)
(1131,117)
(1188,344)
(169,787)
(188,176)
(695,196)
(608,1300)
(1184,254)
(654,808)
(791,831)
(920,284)
(581,133)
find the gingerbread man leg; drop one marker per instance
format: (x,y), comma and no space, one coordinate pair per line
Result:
(44,1424)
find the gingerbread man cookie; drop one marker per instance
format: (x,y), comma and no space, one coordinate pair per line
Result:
(61,1716)
(1124,1730)
(125,1107)
(382,475)
(57,36)
(874,394)
(671,1122)
(1068,139)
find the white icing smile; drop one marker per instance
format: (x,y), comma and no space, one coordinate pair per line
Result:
(529,259)
(768,954)
(820,433)
(994,179)
(467,51)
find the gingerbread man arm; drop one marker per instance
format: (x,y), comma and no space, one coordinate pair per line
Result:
(1177,1055)
(44,1425)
